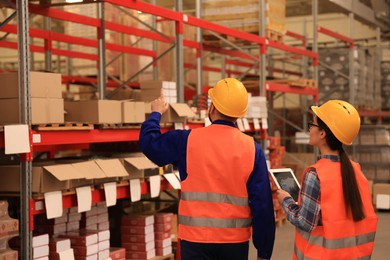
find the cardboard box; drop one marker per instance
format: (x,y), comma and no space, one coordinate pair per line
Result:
(133,112)
(163,227)
(90,257)
(8,225)
(85,250)
(81,238)
(163,243)
(104,255)
(162,218)
(72,226)
(42,219)
(40,251)
(137,220)
(136,166)
(9,254)
(382,201)
(117,253)
(141,255)
(88,221)
(164,251)
(126,238)
(162,235)
(103,218)
(43,111)
(41,240)
(177,113)
(139,247)
(94,111)
(74,216)
(42,85)
(104,245)
(59,244)
(137,230)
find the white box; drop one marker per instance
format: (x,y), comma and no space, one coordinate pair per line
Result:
(383,201)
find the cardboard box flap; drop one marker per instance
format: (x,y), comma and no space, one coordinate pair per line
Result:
(64,172)
(112,168)
(141,163)
(183,110)
(90,170)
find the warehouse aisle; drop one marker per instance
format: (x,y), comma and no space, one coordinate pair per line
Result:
(285,238)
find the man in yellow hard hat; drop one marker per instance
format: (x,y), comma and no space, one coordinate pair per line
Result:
(224,178)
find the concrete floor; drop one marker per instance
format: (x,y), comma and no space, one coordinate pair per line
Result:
(284,241)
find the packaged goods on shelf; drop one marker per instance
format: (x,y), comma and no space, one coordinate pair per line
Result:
(43,111)
(9,229)
(57,245)
(244,16)
(42,85)
(150,90)
(47,105)
(94,111)
(381,195)
(257,107)
(163,225)
(133,112)
(117,253)
(137,167)
(40,251)
(138,236)
(44,178)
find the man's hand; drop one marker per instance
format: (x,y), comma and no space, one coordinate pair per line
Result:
(282,194)
(159,104)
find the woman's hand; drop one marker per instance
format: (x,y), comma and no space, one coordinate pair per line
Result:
(281,195)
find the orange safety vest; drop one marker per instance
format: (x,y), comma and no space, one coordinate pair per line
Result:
(214,204)
(339,237)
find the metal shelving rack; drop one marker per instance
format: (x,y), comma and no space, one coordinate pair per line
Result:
(60,140)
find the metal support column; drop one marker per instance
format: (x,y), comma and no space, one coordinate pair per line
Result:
(315,35)
(351,77)
(48,64)
(303,99)
(179,55)
(199,71)
(315,48)
(262,69)
(102,76)
(25,118)
(154,43)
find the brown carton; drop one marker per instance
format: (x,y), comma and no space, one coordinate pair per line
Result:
(136,166)
(117,253)
(133,112)
(139,247)
(94,111)
(43,111)
(137,220)
(127,238)
(42,85)
(177,113)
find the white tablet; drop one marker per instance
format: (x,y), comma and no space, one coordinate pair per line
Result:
(285,179)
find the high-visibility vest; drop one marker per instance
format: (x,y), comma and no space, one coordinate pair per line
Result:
(339,237)
(214,204)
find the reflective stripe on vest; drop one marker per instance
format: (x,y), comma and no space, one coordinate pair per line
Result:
(299,255)
(337,243)
(214,197)
(215,222)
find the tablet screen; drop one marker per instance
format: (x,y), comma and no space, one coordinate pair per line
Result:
(285,179)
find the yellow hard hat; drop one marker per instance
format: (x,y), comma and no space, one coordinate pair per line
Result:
(230,97)
(341,118)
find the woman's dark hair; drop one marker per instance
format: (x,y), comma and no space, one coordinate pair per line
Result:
(351,194)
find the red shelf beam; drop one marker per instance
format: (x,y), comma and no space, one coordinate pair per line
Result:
(336,35)
(274,87)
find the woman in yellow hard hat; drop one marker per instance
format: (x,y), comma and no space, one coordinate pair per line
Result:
(334,216)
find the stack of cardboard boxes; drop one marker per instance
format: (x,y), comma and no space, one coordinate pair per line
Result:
(9,228)
(138,236)
(277,152)
(47,105)
(85,244)
(163,227)
(40,247)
